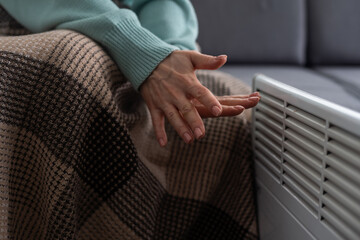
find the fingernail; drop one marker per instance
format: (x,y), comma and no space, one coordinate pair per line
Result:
(253,99)
(187,137)
(162,142)
(239,107)
(216,110)
(198,133)
(221,56)
(255,94)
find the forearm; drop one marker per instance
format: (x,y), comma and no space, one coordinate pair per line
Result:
(43,15)
(136,50)
(173,21)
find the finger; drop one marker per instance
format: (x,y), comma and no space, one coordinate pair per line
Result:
(245,102)
(255,94)
(205,97)
(192,117)
(202,61)
(228,111)
(178,123)
(248,102)
(224,100)
(158,121)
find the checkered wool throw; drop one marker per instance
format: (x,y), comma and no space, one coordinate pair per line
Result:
(79,158)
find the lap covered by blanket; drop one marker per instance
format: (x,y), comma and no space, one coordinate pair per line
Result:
(79,158)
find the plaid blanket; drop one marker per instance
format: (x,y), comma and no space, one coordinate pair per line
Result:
(79,158)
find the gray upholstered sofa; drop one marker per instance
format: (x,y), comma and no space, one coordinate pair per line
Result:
(313,45)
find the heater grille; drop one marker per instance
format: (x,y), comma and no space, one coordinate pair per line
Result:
(310,153)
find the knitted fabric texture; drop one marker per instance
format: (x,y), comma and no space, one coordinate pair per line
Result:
(79,158)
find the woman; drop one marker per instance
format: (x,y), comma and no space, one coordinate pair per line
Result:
(150,43)
(78,160)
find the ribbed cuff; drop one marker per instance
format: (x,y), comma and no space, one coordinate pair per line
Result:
(136,50)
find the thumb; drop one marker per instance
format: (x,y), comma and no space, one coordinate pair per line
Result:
(202,61)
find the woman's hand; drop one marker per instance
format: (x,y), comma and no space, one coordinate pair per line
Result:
(173,91)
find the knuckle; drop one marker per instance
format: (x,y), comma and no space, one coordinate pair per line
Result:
(171,115)
(159,132)
(196,122)
(169,91)
(158,124)
(199,91)
(151,106)
(186,108)
(187,80)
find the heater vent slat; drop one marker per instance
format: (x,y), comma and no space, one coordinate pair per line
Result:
(345,137)
(273,169)
(269,154)
(303,169)
(295,175)
(305,130)
(269,132)
(347,171)
(300,192)
(345,153)
(307,118)
(343,214)
(272,101)
(311,160)
(274,146)
(333,176)
(304,143)
(340,227)
(270,111)
(342,197)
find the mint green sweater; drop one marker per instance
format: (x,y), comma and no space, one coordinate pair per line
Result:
(138,39)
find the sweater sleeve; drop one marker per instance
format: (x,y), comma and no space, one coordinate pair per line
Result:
(135,49)
(174,22)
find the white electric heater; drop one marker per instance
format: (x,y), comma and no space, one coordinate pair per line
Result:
(307,163)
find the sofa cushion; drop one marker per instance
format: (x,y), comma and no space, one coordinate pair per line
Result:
(304,79)
(253,31)
(334,31)
(347,77)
